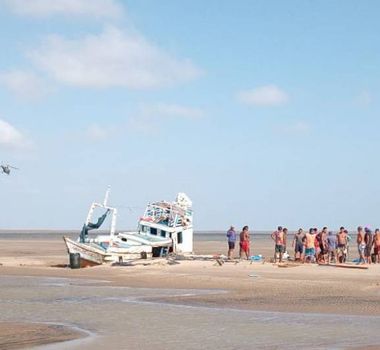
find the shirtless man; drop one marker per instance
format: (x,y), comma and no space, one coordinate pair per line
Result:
(298,245)
(244,243)
(342,245)
(309,246)
(321,239)
(376,244)
(368,240)
(278,237)
(361,244)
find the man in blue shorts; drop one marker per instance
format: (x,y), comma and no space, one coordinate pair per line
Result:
(231,237)
(309,245)
(298,244)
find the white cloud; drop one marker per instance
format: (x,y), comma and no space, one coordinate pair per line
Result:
(364,99)
(46,8)
(269,95)
(10,137)
(25,85)
(112,58)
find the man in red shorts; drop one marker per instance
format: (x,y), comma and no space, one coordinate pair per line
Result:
(245,243)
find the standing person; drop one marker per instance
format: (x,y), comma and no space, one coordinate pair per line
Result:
(298,241)
(342,245)
(316,243)
(244,243)
(278,237)
(348,245)
(285,230)
(309,246)
(323,244)
(231,237)
(321,240)
(376,244)
(368,239)
(361,244)
(331,244)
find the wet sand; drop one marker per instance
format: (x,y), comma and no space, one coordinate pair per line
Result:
(118,304)
(26,335)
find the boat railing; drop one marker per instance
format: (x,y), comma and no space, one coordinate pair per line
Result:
(169,214)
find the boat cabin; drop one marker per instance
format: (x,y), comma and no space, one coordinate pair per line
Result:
(170,220)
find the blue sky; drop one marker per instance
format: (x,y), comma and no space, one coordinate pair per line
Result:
(263,112)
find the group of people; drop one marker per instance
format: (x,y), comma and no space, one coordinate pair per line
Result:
(322,246)
(244,244)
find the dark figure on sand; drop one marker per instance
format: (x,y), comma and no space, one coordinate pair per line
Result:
(321,239)
(368,239)
(298,244)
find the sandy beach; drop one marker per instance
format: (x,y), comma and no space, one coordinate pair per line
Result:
(146,144)
(190,304)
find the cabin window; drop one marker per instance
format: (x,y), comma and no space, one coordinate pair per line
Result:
(163,233)
(153,231)
(179,238)
(144,228)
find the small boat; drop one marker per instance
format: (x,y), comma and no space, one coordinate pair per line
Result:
(165,227)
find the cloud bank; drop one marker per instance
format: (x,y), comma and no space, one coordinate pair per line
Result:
(269,95)
(112,58)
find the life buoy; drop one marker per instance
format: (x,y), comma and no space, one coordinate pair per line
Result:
(146,219)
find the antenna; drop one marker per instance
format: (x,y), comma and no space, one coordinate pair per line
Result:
(105,203)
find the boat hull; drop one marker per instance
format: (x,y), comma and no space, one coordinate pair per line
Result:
(89,255)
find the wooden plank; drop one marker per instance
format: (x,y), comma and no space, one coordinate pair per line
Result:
(347,266)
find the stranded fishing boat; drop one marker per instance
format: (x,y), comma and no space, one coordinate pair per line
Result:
(165,227)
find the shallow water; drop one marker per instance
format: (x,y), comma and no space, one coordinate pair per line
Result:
(123,318)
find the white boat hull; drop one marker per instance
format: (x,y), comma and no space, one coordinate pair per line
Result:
(89,255)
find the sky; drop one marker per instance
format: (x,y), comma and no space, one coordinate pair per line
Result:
(264,112)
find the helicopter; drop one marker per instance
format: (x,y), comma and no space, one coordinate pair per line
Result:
(6,169)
